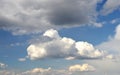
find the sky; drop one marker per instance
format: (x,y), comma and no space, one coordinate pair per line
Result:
(59,37)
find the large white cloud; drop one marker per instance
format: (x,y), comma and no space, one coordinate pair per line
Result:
(54,46)
(34,16)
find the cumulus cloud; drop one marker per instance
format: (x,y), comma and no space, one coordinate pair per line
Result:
(28,16)
(2,65)
(84,67)
(110,6)
(55,46)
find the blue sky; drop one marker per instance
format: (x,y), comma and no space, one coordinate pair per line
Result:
(66,37)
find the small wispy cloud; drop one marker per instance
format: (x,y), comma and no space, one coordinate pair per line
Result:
(2,65)
(110,6)
(22,59)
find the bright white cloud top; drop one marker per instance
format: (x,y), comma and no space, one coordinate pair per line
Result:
(84,67)
(55,46)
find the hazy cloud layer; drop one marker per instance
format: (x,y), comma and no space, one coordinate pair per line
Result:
(28,16)
(49,71)
(113,43)
(54,46)
(94,67)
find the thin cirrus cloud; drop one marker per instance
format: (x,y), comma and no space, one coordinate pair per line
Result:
(110,6)
(28,16)
(55,46)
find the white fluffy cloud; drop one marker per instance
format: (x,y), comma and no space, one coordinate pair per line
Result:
(2,65)
(84,67)
(28,16)
(87,49)
(54,46)
(110,6)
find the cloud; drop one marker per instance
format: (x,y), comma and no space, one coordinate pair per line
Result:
(117,35)
(69,71)
(22,59)
(110,6)
(86,49)
(36,71)
(6,72)
(112,45)
(84,67)
(107,66)
(28,16)
(2,65)
(49,71)
(110,68)
(53,46)
(110,56)
(115,21)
